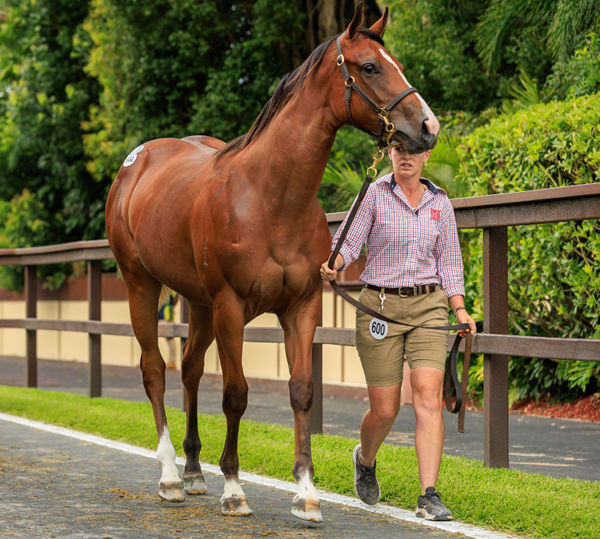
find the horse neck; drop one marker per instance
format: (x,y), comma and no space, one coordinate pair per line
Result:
(292,152)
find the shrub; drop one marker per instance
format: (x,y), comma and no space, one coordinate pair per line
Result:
(554,274)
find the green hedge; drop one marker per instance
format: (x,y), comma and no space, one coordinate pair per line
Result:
(554,269)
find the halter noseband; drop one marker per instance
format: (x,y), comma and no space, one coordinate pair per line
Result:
(386,127)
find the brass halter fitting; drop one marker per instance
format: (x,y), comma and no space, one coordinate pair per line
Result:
(377,157)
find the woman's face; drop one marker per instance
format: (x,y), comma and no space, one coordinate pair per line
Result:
(407,165)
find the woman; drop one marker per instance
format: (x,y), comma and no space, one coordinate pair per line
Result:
(413,270)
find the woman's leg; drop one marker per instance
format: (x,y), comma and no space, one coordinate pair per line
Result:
(376,423)
(384,404)
(429,434)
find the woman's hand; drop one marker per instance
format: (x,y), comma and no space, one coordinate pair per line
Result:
(328,274)
(457,304)
(463,317)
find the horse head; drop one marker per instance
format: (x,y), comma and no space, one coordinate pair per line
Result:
(385,105)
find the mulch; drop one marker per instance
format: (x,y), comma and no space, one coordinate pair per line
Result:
(585,409)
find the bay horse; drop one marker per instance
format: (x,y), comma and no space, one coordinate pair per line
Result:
(237,230)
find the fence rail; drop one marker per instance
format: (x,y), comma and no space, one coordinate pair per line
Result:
(492,213)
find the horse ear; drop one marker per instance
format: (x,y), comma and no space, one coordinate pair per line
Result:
(379,26)
(356,21)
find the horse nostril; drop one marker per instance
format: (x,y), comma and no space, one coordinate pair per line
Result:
(426,134)
(430,126)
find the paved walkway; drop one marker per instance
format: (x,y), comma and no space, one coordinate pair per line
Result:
(63,487)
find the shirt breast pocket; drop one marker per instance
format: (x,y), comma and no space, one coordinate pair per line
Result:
(429,235)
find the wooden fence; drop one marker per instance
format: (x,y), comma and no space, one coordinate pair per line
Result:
(492,213)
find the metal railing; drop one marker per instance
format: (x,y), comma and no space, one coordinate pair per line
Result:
(492,213)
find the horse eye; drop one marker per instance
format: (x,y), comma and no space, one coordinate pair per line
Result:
(369,69)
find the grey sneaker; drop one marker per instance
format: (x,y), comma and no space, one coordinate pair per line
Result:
(365,480)
(430,506)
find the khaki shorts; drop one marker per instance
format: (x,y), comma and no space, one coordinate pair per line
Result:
(383,359)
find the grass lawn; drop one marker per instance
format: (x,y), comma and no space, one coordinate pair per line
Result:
(503,500)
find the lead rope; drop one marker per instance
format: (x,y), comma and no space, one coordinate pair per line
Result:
(450,374)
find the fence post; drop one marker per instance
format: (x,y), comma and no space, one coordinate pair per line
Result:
(316,411)
(94,274)
(31,377)
(495,366)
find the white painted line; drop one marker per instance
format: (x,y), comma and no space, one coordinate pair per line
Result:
(393,512)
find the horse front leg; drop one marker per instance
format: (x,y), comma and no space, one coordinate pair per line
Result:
(200,336)
(228,323)
(299,329)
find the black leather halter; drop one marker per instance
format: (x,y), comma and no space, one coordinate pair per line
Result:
(386,128)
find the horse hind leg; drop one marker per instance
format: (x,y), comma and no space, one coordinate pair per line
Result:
(192,367)
(143,292)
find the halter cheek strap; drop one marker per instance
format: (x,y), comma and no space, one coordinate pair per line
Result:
(386,127)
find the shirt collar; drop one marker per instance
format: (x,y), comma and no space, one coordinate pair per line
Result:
(427,183)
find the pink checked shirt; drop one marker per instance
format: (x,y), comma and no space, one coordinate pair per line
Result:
(406,246)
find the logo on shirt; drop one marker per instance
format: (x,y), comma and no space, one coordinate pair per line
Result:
(435,214)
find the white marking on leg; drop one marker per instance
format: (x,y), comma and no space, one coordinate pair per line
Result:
(305,504)
(233,489)
(166,456)
(306,489)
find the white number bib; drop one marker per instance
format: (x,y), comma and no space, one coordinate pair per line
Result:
(378,328)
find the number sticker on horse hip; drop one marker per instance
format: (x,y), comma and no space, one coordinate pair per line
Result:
(130,159)
(378,328)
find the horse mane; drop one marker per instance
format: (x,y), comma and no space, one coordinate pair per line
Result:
(287,87)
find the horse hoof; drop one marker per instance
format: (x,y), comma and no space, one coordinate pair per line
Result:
(194,483)
(307,509)
(171,491)
(235,506)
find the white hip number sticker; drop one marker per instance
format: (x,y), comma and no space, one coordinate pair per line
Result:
(378,328)
(130,159)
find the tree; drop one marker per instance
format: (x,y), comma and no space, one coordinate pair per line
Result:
(45,100)
(435,42)
(511,31)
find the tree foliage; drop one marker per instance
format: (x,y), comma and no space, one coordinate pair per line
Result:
(83,83)
(561,25)
(435,42)
(45,100)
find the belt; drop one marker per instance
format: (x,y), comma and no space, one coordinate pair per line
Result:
(404,291)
